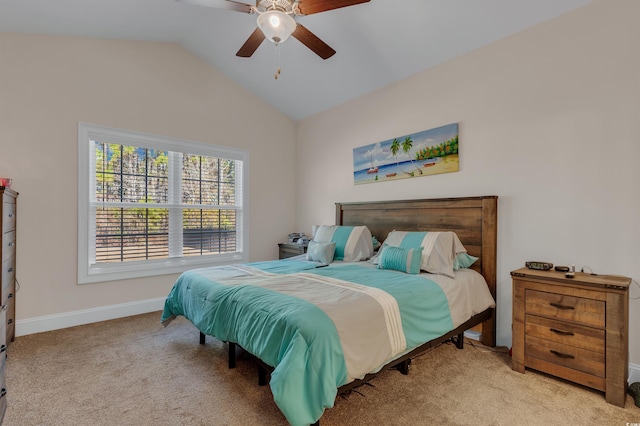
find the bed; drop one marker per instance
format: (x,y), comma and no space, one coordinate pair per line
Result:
(307,323)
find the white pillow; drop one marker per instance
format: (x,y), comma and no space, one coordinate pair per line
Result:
(353,243)
(321,252)
(438,249)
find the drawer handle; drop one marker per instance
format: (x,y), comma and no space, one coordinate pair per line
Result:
(562,333)
(10,269)
(10,214)
(11,244)
(10,321)
(3,392)
(4,307)
(561,355)
(9,296)
(559,306)
(3,348)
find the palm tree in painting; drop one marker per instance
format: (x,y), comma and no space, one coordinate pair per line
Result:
(407,144)
(395,147)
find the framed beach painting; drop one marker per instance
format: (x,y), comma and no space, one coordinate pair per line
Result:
(425,153)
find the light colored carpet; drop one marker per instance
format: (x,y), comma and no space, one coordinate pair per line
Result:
(132,371)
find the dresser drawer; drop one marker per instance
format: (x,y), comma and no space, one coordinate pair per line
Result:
(3,362)
(567,356)
(8,214)
(8,244)
(3,330)
(566,333)
(577,309)
(8,275)
(3,384)
(11,319)
(7,294)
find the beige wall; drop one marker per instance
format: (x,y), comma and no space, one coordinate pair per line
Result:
(549,121)
(49,84)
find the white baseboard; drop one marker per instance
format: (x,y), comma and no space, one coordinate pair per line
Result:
(87,316)
(634,373)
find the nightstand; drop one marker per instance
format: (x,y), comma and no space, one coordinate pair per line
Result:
(573,328)
(291,249)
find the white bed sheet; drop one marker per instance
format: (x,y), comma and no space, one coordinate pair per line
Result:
(468,293)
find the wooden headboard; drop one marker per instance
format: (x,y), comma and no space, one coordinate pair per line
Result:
(474,219)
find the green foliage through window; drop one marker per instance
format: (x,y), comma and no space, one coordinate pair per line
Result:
(136,211)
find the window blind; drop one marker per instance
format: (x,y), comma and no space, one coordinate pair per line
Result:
(157,201)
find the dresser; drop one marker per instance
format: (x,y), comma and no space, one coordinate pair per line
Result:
(573,328)
(7,285)
(291,249)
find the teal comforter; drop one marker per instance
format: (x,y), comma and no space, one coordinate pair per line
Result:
(320,328)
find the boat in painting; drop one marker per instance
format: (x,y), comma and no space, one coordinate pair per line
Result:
(373,169)
(432,162)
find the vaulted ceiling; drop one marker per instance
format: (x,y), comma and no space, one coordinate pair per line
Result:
(377,43)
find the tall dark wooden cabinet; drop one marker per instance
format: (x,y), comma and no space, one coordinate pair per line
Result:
(7,285)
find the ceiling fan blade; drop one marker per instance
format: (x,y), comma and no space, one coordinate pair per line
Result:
(312,41)
(220,4)
(252,43)
(308,7)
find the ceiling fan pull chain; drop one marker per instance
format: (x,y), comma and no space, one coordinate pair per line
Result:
(277,61)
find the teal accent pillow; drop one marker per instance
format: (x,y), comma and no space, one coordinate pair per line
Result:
(463,260)
(400,259)
(321,252)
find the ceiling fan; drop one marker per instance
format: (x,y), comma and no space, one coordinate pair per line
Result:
(276,21)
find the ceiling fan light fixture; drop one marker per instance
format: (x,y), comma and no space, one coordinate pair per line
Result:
(276,26)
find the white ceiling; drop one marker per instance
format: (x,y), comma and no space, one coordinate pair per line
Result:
(377,43)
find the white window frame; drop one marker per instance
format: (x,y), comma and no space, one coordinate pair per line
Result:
(92,273)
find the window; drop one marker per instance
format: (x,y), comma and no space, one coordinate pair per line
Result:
(151,205)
